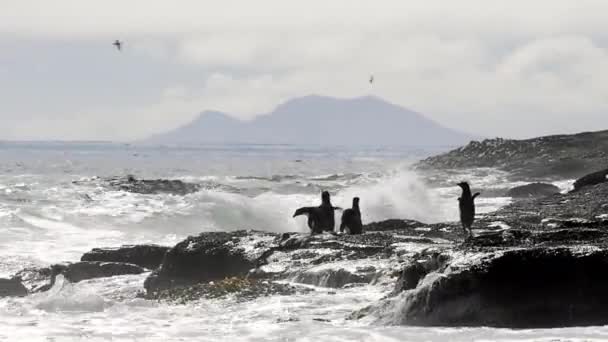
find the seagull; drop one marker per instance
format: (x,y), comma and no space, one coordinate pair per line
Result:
(371,79)
(118,44)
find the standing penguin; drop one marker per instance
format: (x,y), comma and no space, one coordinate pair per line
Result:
(351,219)
(320,218)
(466,204)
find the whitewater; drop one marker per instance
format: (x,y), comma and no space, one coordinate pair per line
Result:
(55,206)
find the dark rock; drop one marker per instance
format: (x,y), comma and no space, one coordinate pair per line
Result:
(242,288)
(410,276)
(153,186)
(533,190)
(591,179)
(575,209)
(148,256)
(35,279)
(84,270)
(42,279)
(203,258)
(521,288)
(562,156)
(12,288)
(423,263)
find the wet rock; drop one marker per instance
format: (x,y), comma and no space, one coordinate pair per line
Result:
(84,270)
(35,279)
(521,288)
(410,277)
(533,190)
(148,256)
(153,186)
(42,279)
(242,288)
(12,288)
(591,179)
(207,257)
(333,278)
(423,263)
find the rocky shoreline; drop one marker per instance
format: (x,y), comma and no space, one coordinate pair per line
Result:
(542,158)
(538,262)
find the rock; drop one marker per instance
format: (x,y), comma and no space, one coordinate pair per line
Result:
(423,263)
(12,288)
(153,186)
(203,258)
(410,277)
(591,179)
(578,208)
(533,190)
(242,288)
(42,279)
(35,279)
(333,278)
(84,270)
(562,156)
(148,256)
(520,288)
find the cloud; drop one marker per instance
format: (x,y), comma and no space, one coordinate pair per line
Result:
(516,68)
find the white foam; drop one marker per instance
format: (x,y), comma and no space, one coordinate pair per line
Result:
(64,297)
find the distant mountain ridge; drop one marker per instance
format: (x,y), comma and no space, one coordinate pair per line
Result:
(319,120)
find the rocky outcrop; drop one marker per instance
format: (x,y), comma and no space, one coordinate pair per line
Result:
(559,156)
(12,288)
(325,260)
(533,190)
(147,256)
(42,279)
(538,286)
(587,208)
(84,270)
(153,186)
(203,258)
(536,263)
(591,179)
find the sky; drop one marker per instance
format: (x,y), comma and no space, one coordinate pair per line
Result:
(491,68)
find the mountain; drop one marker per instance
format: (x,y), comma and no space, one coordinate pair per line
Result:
(319,120)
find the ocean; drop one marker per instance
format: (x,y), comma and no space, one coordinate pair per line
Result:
(55,205)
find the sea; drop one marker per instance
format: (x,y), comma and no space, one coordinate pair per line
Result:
(55,205)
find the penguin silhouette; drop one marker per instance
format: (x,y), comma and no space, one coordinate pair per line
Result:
(320,219)
(351,219)
(466,204)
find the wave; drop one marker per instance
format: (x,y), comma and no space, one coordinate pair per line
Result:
(65,297)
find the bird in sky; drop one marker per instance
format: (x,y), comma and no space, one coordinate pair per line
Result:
(371,79)
(118,44)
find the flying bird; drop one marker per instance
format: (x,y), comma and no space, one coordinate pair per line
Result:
(371,79)
(118,44)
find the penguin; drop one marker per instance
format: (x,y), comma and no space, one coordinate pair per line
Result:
(351,219)
(320,219)
(466,204)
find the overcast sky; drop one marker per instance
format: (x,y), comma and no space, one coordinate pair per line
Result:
(494,68)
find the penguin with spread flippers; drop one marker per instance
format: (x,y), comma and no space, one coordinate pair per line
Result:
(320,219)
(351,219)
(466,204)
